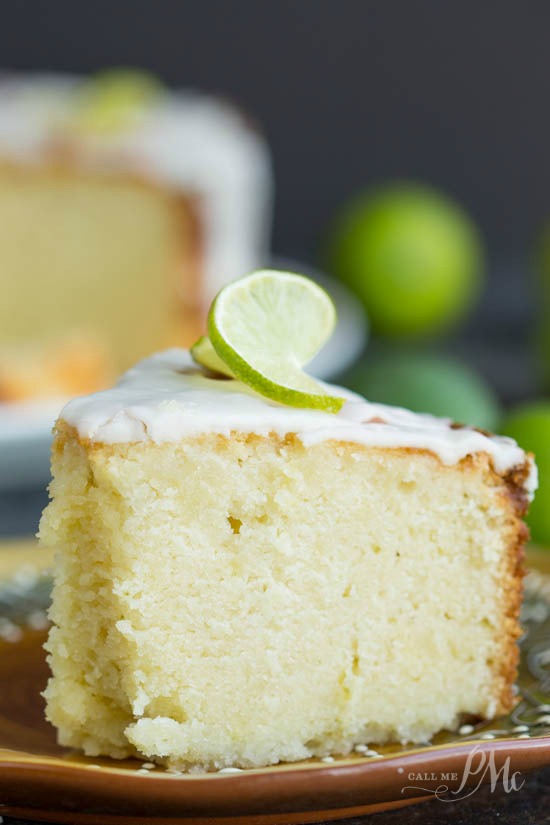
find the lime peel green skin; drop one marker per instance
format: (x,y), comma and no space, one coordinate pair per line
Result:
(204,354)
(109,101)
(259,382)
(412,255)
(262,385)
(427,382)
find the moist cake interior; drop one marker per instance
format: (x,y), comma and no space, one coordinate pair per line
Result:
(240,583)
(106,256)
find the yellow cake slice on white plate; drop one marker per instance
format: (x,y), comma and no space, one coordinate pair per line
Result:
(240,582)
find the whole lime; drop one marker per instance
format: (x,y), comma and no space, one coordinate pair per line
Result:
(412,255)
(424,382)
(530,426)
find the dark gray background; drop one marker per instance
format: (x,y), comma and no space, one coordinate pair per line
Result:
(348,91)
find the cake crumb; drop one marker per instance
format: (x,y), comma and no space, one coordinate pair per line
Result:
(361,748)
(38,620)
(230,770)
(9,631)
(327,759)
(26,577)
(487,736)
(520,729)
(465,730)
(543,720)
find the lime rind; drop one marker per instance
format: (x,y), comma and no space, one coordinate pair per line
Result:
(266,327)
(204,354)
(112,100)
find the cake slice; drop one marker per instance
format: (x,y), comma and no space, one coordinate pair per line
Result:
(240,582)
(114,225)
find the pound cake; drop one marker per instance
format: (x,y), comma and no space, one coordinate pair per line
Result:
(240,582)
(123,209)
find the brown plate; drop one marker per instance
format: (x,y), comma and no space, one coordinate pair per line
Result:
(42,780)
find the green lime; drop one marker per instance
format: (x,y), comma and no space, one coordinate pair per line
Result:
(203,353)
(110,101)
(427,383)
(412,255)
(529,425)
(268,325)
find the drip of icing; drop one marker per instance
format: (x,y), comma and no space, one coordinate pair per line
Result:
(167,397)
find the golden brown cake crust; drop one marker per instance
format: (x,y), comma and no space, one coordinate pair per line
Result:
(512,573)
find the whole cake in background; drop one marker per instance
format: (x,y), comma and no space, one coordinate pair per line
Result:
(254,567)
(123,209)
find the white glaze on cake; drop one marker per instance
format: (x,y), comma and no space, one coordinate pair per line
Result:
(188,141)
(167,398)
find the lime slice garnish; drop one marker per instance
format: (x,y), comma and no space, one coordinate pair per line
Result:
(204,354)
(112,100)
(266,326)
